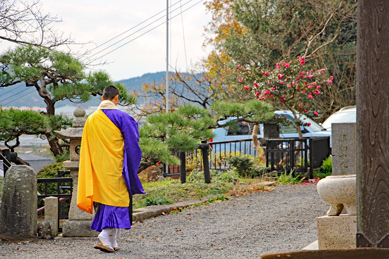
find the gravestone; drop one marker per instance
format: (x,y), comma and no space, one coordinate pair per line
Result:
(343,148)
(18,219)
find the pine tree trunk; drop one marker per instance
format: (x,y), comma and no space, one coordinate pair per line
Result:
(257,144)
(55,147)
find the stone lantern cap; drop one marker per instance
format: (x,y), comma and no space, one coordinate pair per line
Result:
(74,132)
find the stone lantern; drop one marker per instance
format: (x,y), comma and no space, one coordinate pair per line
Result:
(79,221)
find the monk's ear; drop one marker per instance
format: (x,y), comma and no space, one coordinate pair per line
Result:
(102,98)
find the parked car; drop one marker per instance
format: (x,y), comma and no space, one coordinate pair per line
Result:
(346,114)
(286,131)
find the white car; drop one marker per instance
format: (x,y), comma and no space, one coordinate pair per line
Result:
(346,114)
(244,130)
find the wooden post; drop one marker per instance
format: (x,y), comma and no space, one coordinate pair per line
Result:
(204,152)
(373,123)
(183,167)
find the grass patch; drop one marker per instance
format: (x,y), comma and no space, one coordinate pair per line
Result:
(172,191)
(288,178)
(157,199)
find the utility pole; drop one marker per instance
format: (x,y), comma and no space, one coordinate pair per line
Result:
(167,56)
(167,67)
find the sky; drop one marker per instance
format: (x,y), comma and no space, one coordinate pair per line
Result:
(98,21)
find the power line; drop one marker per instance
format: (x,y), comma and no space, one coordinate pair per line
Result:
(113,44)
(120,34)
(147,31)
(15,88)
(183,36)
(20,97)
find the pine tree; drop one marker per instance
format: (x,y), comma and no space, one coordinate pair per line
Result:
(56,76)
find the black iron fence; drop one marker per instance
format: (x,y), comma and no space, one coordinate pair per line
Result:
(60,187)
(301,156)
(218,154)
(298,155)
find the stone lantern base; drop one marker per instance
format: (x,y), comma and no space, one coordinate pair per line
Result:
(78,228)
(337,232)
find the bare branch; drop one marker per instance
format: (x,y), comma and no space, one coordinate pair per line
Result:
(24,23)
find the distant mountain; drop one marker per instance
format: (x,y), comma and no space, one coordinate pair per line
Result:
(19,95)
(136,83)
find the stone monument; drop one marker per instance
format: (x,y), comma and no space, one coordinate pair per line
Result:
(343,148)
(336,230)
(18,219)
(79,221)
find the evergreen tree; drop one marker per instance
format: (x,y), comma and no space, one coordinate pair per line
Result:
(56,76)
(164,135)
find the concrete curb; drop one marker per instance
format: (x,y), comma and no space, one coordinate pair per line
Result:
(158,210)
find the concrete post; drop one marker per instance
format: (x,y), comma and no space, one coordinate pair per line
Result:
(51,214)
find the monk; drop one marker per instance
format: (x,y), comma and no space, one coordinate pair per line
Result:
(109,160)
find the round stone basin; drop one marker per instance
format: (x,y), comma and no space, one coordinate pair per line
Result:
(340,191)
(354,253)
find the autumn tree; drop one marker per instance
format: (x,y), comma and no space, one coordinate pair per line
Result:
(289,85)
(262,33)
(184,88)
(56,76)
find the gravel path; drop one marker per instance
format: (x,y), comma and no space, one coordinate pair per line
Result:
(244,227)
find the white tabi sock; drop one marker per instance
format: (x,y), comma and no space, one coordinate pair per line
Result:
(117,236)
(112,237)
(105,237)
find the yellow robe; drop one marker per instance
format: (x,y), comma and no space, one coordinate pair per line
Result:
(101,165)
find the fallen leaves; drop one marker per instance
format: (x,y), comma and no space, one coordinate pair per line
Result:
(254,187)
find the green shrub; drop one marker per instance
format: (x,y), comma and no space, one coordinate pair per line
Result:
(326,168)
(259,170)
(245,167)
(157,199)
(49,171)
(242,164)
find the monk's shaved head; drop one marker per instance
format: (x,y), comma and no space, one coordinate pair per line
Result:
(110,92)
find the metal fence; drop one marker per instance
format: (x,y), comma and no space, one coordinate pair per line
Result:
(218,154)
(285,155)
(299,155)
(60,187)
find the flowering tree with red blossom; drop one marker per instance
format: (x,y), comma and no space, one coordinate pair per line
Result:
(291,86)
